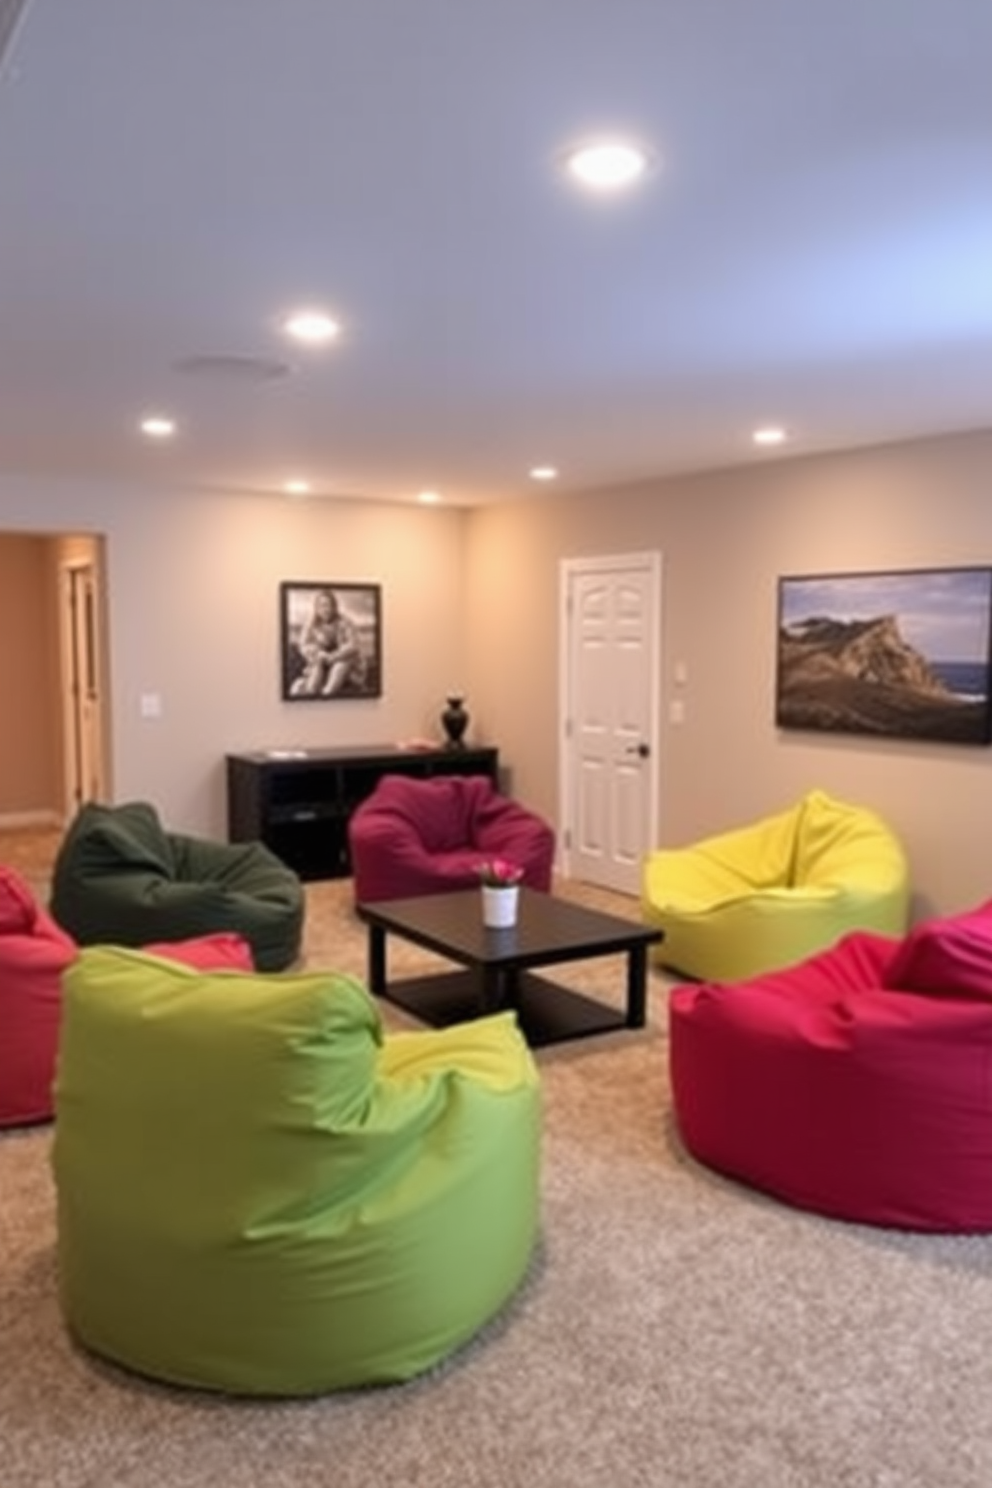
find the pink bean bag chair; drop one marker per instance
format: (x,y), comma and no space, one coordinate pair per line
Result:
(412,837)
(857,1083)
(34,952)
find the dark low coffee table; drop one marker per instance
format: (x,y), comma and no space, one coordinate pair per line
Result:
(498,965)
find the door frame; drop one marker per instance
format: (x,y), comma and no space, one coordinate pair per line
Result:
(568,570)
(82,692)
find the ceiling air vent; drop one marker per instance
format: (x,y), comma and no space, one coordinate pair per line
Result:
(232,368)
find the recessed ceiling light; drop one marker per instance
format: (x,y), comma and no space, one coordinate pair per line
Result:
(312,326)
(156,426)
(544,473)
(429,498)
(296,487)
(772,434)
(608,165)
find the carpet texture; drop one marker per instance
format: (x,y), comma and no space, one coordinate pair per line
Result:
(675,1329)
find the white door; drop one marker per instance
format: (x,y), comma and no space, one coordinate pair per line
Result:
(84,752)
(611,629)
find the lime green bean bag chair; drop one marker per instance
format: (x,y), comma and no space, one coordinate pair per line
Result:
(773,893)
(121,878)
(259,1192)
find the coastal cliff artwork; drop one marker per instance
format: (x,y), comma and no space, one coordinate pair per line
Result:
(903,654)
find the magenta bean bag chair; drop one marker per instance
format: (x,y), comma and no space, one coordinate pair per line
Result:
(857,1083)
(412,837)
(34,952)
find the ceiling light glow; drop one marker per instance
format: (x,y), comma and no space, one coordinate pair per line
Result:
(429,498)
(296,487)
(609,165)
(769,435)
(544,473)
(156,426)
(311,326)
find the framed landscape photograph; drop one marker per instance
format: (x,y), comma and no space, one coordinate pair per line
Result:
(330,641)
(906,654)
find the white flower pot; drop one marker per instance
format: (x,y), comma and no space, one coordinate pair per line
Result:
(499,906)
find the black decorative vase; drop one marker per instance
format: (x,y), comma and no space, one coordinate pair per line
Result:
(454,721)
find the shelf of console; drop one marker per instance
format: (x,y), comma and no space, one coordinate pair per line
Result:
(299,801)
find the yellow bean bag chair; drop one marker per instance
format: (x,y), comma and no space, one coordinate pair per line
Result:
(773,893)
(261,1192)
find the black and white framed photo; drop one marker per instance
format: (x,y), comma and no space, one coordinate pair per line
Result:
(330,640)
(904,653)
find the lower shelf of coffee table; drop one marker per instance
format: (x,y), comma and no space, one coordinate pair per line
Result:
(547,1012)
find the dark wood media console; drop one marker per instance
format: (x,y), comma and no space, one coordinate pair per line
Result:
(298,801)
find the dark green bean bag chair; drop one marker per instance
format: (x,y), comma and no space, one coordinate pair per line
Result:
(120,878)
(260,1192)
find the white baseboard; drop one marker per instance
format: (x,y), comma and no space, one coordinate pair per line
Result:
(10,820)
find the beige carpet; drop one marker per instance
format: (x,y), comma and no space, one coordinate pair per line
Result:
(675,1330)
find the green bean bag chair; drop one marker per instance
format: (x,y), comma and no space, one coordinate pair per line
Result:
(121,878)
(259,1192)
(770,894)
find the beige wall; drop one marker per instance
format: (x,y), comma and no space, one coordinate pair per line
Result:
(192,616)
(725,538)
(471,602)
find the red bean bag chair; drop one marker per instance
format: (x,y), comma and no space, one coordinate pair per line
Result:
(34,952)
(856,1083)
(224,950)
(412,837)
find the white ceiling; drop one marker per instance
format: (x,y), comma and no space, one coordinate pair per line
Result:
(814,246)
